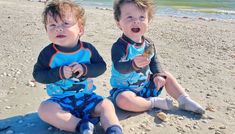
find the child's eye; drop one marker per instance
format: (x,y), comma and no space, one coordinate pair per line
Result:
(52,25)
(142,18)
(129,17)
(67,24)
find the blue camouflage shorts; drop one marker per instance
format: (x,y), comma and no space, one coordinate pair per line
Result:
(80,105)
(149,90)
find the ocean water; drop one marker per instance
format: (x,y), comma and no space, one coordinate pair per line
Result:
(208,9)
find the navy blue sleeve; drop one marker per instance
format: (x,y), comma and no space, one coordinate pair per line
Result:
(154,63)
(42,73)
(97,66)
(118,53)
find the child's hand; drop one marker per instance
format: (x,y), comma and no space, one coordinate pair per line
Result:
(67,72)
(159,81)
(141,61)
(76,69)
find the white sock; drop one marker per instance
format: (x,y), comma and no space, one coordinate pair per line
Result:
(186,103)
(162,103)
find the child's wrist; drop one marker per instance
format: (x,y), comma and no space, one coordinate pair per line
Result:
(84,67)
(163,75)
(135,66)
(61,72)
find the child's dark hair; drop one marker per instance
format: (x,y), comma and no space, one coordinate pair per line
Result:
(57,8)
(146,5)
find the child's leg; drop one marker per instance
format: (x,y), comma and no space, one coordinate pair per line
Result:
(162,103)
(129,101)
(175,90)
(108,117)
(53,114)
(186,103)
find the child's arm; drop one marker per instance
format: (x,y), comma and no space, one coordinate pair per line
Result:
(96,67)
(154,65)
(119,59)
(45,74)
(42,72)
(140,62)
(158,74)
(159,77)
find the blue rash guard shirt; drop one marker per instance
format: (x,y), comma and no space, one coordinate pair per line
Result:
(125,74)
(49,69)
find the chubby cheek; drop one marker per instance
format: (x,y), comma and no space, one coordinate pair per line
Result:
(51,36)
(126,28)
(144,27)
(73,35)
(51,39)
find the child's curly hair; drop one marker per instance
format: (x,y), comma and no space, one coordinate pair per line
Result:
(146,5)
(58,8)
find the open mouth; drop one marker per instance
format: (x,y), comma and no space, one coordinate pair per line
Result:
(135,30)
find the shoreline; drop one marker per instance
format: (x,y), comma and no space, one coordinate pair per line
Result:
(206,13)
(174,16)
(175,11)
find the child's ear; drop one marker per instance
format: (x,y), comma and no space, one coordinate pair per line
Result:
(118,24)
(81,30)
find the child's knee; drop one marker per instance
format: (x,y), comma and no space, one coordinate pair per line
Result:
(169,76)
(42,111)
(105,104)
(124,98)
(42,108)
(45,108)
(167,73)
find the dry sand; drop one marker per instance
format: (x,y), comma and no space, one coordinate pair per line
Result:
(199,53)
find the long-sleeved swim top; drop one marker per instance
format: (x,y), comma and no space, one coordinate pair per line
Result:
(124,73)
(49,68)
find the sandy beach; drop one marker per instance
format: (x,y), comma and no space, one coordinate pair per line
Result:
(199,53)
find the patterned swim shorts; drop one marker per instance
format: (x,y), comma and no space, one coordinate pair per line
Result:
(149,90)
(80,105)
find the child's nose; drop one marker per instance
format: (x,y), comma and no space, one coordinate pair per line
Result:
(59,28)
(136,20)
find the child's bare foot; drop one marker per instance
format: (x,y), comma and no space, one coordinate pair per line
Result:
(162,103)
(186,103)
